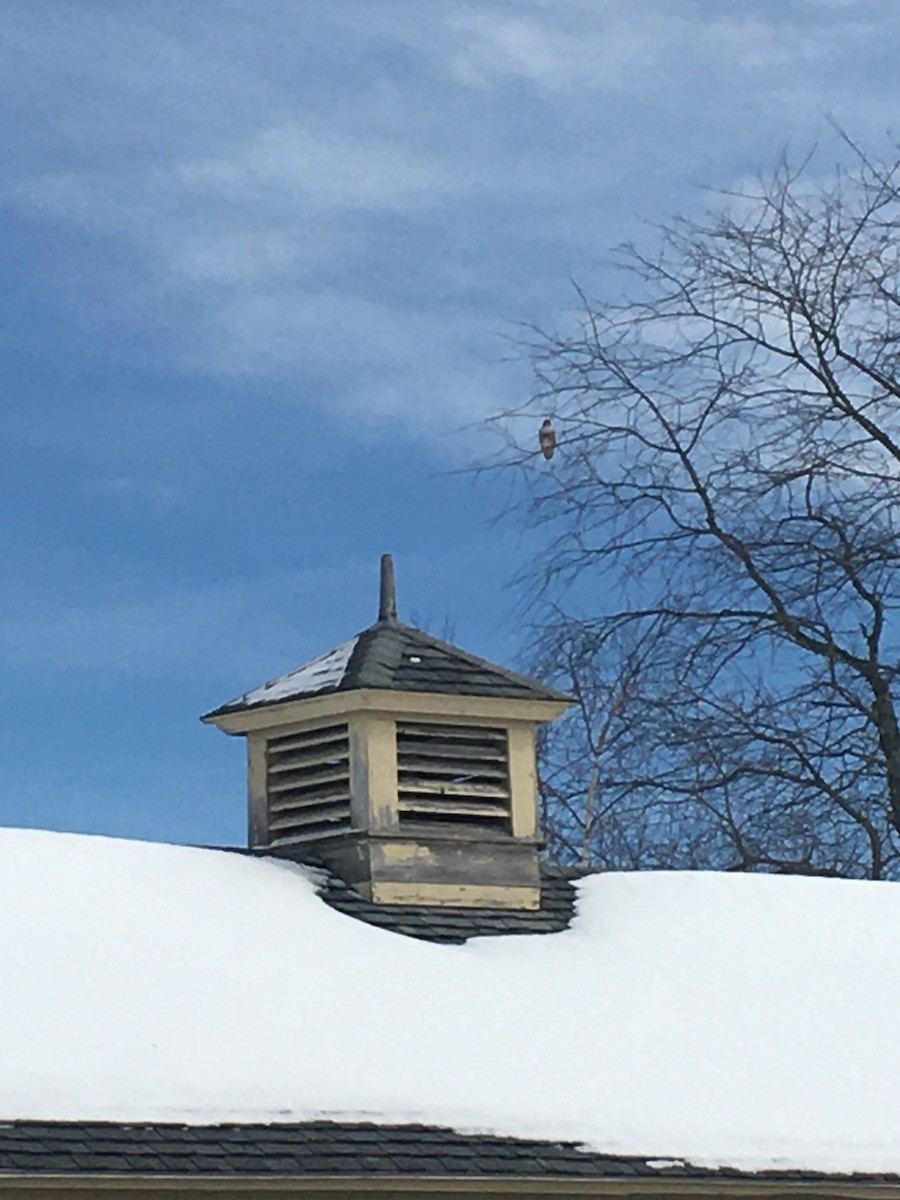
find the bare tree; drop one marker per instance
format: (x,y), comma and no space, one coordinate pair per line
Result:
(721,568)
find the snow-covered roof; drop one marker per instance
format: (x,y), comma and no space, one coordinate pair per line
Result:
(322,674)
(723,1019)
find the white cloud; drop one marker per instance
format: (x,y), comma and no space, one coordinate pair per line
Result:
(362,196)
(432,370)
(259,196)
(326,169)
(550,49)
(596,47)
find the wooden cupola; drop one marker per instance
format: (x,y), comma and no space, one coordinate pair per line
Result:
(405,764)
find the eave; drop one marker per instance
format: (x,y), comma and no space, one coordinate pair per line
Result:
(661,1187)
(385,700)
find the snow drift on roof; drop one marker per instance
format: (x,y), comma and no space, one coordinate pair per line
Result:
(739,1020)
(317,675)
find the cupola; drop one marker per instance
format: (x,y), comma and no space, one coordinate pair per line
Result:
(404,763)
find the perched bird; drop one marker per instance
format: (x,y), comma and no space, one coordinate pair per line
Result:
(547,438)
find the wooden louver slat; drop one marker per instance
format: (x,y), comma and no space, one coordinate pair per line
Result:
(454,765)
(308,779)
(294,821)
(325,795)
(453,807)
(306,741)
(308,783)
(453,775)
(454,787)
(321,754)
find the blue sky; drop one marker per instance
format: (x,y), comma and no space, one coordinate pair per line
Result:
(262,262)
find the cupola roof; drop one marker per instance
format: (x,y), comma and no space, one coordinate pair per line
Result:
(397,657)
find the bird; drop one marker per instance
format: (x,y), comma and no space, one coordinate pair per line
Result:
(547,438)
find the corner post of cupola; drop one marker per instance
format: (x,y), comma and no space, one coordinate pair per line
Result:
(373,772)
(523,783)
(257,794)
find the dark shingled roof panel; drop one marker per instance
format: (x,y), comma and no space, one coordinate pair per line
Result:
(441,923)
(384,657)
(321,1148)
(396,657)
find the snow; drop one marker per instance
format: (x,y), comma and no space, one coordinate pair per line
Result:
(747,1021)
(320,673)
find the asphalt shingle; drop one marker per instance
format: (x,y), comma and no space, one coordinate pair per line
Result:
(36,1148)
(391,655)
(443,924)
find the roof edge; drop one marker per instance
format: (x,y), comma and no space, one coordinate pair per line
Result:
(357,648)
(485,1187)
(298,709)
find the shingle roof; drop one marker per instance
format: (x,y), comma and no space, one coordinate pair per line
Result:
(355,1149)
(332,1148)
(394,656)
(444,924)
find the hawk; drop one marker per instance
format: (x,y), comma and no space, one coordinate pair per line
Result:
(547,438)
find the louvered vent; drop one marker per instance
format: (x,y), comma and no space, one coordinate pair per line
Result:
(308,783)
(453,775)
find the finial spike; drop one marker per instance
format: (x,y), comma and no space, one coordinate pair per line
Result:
(387,605)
